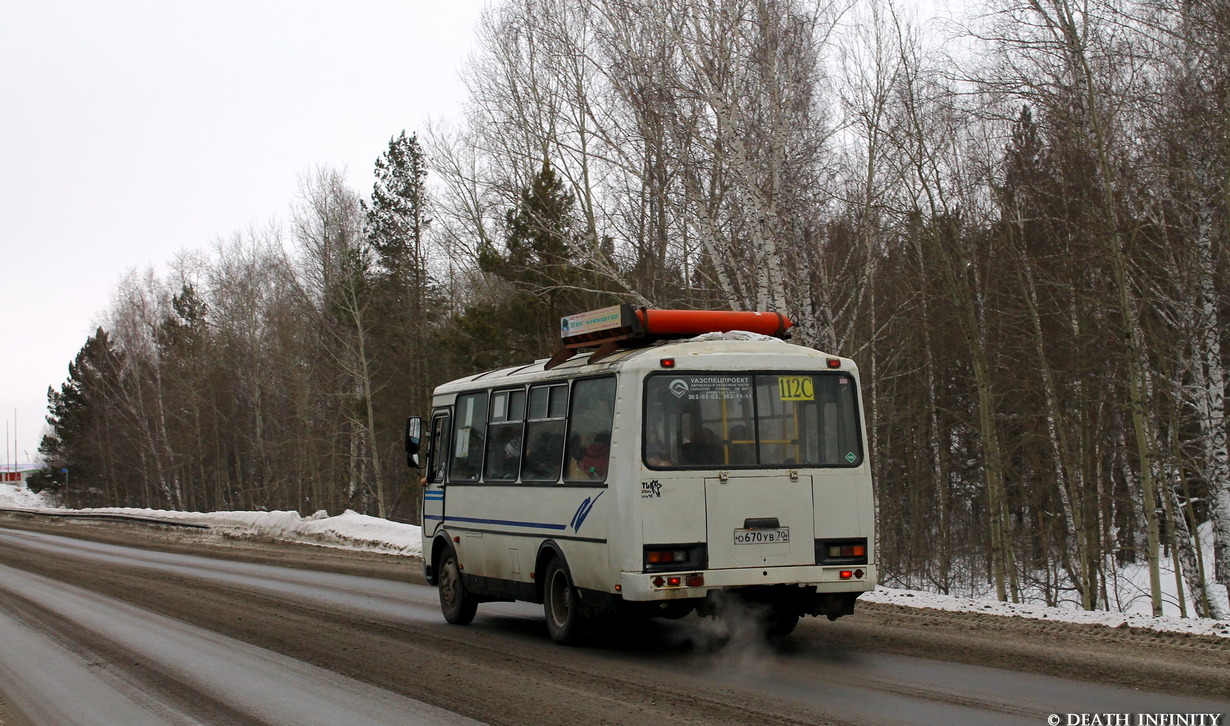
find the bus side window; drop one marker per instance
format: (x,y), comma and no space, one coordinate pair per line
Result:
(589,438)
(504,435)
(437,452)
(544,433)
(471,429)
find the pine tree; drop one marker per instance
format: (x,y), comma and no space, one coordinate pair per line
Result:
(397,218)
(183,353)
(78,414)
(404,298)
(543,261)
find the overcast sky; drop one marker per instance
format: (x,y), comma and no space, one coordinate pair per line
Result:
(133,130)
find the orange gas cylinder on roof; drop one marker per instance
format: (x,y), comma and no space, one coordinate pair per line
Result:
(625,326)
(685,323)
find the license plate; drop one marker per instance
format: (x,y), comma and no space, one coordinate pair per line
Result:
(762,536)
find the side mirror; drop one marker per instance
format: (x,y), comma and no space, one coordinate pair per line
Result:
(414,433)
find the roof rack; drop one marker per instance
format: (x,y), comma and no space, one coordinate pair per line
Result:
(625,326)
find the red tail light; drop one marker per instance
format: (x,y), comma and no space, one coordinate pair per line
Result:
(662,557)
(679,581)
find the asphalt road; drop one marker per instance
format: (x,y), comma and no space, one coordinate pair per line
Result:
(161,627)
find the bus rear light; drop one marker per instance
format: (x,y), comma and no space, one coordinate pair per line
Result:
(846,574)
(665,557)
(674,557)
(667,362)
(858,574)
(847,551)
(678,581)
(842,551)
(834,363)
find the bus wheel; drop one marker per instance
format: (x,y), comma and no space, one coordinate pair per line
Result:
(561,606)
(457,605)
(674,609)
(780,623)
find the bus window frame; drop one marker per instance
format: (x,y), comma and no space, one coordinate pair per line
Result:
(564,478)
(456,421)
(566,384)
(520,458)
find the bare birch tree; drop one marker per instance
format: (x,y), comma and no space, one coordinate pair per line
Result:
(328,225)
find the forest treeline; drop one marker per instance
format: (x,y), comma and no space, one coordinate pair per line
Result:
(1015,223)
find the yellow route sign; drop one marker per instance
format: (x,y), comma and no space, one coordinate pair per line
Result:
(796,388)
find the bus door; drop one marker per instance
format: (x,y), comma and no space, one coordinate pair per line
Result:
(437,464)
(759,520)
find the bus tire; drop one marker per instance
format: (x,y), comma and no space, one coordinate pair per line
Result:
(561,605)
(457,605)
(780,623)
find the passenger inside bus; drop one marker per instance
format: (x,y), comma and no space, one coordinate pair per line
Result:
(704,447)
(576,452)
(655,450)
(656,457)
(504,464)
(542,457)
(741,451)
(467,465)
(594,462)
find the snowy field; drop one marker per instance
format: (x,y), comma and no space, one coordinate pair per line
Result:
(360,532)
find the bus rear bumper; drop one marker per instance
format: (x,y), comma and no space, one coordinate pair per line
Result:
(653,586)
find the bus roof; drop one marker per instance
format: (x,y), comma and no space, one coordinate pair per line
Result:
(726,351)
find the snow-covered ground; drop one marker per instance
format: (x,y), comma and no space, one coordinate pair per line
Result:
(349,530)
(357,531)
(919,599)
(16,495)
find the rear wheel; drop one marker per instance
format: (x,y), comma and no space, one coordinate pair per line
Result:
(457,605)
(674,609)
(780,623)
(562,606)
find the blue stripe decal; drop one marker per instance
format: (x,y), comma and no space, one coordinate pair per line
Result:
(505,522)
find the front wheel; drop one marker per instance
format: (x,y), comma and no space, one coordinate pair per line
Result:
(561,605)
(457,605)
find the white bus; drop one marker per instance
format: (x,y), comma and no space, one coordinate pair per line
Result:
(651,477)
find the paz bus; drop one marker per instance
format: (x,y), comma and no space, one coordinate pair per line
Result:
(663,462)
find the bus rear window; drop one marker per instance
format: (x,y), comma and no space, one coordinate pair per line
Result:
(736,420)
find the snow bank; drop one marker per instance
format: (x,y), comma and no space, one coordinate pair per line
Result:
(349,530)
(17,496)
(917,599)
(354,530)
